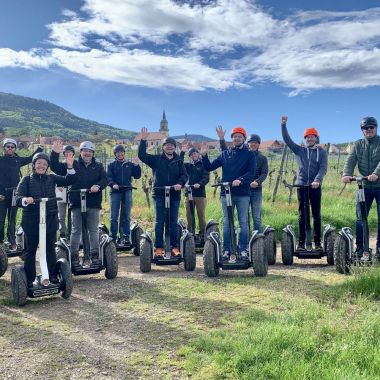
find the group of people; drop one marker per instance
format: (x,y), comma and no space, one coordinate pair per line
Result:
(243,166)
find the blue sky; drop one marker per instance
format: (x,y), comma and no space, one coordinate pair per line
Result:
(209,62)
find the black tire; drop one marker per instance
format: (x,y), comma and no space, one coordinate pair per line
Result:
(136,249)
(270,247)
(342,262)
(3,260)
(19,286)
(210,263)
(330,240)
(65,277)
(212,228)
(259,257)
(189,255)
(287,249)
(111,261)
(61,253)
(145,256)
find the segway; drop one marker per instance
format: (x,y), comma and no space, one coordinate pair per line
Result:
(187,244)
(212,251)
(122,242)
(344,253)
(288,241)
(42,286)
(211,225)
(107,250)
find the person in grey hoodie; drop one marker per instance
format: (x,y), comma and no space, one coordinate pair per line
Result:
(312,167)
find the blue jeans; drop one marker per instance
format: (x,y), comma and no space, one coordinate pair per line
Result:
(116,199)
(241,203)
(160,212)
(256,200)
(370,195)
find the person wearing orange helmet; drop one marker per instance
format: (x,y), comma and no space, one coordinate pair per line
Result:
(312,167)
(238,167)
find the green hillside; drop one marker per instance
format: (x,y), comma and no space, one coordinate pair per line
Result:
(20,115)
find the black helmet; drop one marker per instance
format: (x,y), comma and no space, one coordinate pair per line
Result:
(192,150)
(68,148)
(169,140)
(254,138)
(39,155)
(118,148)
(368,121)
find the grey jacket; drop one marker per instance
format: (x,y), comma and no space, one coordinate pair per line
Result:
(312,163)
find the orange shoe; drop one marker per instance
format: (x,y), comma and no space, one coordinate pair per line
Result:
(159,252)
(176,252)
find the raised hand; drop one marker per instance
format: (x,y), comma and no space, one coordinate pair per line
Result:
(144,133)
(185,147)
(284,120)
(135,160)
(57,146)
(220,132)
(204,148)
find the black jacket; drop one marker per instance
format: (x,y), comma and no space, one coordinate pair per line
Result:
(121,173)
(165,172)
(10,171)
(197,174)
(86,176)
(40,186)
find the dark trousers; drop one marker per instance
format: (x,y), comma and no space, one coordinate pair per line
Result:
(32,241)
(370,195)
(7,209)
(309,197)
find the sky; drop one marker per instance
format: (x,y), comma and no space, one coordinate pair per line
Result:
(207,62)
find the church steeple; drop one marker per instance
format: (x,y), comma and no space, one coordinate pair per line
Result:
(164,126)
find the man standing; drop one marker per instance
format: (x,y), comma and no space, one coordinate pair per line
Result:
(366,154)
(238,167)
(10,164)
(168,170)
(312,167)
(119,175)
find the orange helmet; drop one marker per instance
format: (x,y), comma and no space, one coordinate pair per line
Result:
(310,131)
(239,130)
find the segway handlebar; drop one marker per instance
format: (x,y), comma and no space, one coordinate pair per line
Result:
(222,184)
(79,190)
(358,178)
(163,187)
(47,199)
(122,187)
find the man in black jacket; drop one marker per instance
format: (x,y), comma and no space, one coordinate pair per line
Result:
(168,170)
(92,176)
(199,177)
(10,164)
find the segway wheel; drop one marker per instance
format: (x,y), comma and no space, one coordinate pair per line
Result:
(136,249)
(330,239)
(145,256)
(342,262)
(270,247)
(19,286)
(111,262)
(60,253)
(210,263)
(287,249)
(212,228)
(189,255)
(3,261)
(259,258)
(65,277)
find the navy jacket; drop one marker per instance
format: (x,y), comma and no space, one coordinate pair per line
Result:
(121,173)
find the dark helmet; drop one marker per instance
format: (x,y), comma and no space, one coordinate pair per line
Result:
(118,148)
(368,121)
(68,148)
(254,138)
(192,150)
(39,155)
(169,140)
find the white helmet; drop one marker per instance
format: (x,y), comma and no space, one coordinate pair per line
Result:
(87,145)
(9,141)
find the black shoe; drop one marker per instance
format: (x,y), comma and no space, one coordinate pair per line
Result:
(359,253)
(244,255)
(54,279)
(309,247)
(96,262)
(75,261)
(318,247)
(301,247)
(226,256)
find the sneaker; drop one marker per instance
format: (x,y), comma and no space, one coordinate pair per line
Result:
(86,263)
(13,247)
(54,279)
(159,252)
(366,256)
(318,247)
(309,247)
(301,247)
(96,261)
(176,252)
(75,260)
(226,256)
(244,255)
(359,253)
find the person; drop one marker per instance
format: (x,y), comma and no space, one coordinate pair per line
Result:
(256,193)
(238,167)
(10,164)
(37,185)
(61,192)
(311,168)
(198,178)
(120,173)
(92,176)
(168,170)
(366,155)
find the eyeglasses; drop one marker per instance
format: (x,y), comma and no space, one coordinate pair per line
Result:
(9,147)
(368,127)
